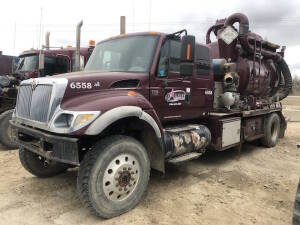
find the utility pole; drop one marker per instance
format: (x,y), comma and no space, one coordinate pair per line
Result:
(150,6)
(133,14)
(15,33)
(122,25)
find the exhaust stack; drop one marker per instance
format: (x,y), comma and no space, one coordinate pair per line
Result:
(122,25)
(77,54)
(47,40)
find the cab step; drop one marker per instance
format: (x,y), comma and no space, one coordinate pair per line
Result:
(185,157)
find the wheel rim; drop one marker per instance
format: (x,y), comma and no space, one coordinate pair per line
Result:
(121,177)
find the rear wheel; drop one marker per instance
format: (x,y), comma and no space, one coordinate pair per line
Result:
(272,130)
(113,176)
(39,166)
(296,214)
(6,131)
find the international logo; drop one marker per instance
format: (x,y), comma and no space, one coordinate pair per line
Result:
(33,84)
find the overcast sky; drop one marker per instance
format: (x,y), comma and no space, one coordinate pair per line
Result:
(276,20)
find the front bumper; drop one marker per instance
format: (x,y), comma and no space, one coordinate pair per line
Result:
(52,147)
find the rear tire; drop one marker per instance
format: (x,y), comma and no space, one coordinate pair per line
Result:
(272,130)
(6,131)
(296,214)
(113,176)
(38,166)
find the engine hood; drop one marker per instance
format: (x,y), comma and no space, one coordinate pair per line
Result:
(94,91)
(86,87)
(91,81)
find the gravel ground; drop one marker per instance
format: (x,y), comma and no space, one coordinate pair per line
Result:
(291,102)
(255,187)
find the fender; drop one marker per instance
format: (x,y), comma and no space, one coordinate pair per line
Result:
(121,112)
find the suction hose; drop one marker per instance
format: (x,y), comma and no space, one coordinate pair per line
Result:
(283,91)
(213,28)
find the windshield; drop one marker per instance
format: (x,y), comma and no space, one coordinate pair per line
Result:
(129,54)
(28,63)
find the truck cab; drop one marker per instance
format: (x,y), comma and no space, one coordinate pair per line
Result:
(154,73)
(143,100)
(34,64)
(40,63)
(7,63)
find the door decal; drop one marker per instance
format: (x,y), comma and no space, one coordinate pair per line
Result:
(175,97)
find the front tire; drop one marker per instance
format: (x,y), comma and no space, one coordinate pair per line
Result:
(113,176)
(6,131)
(272,130)
(39,166)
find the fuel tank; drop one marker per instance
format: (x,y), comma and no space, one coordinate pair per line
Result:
(183,139)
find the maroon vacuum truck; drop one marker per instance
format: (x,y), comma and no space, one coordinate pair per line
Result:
(35,63)
(7,64)
(147,99)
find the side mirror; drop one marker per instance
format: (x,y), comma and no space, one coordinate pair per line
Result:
(187,55)
(41,64)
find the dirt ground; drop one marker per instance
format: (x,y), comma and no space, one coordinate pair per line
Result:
(291,102)
(255,187)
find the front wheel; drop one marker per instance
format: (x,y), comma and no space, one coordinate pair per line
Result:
(113,176)
(6,131)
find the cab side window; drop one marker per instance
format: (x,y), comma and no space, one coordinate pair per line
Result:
(163,60)
(202,60)
(169,60)
(175,48)
(55,65)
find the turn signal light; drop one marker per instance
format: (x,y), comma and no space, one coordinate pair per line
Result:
(82,119)
(131,92)
(92,43)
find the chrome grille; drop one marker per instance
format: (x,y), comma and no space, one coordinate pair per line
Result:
(24,100)
(34,104)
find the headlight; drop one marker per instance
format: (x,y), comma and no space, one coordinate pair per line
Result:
(69,121)
(4,81)
(64,120)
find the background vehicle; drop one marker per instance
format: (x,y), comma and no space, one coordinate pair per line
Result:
(33,64)
(148,99)
(7,64)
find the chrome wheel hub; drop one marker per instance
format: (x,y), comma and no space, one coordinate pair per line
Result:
(121,177)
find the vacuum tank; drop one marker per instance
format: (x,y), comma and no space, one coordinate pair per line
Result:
(252,71)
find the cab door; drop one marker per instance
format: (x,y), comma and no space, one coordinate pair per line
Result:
(173,95)
(169,91)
